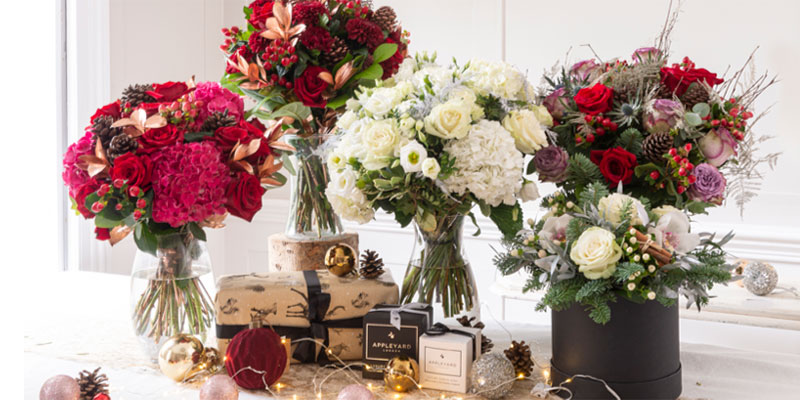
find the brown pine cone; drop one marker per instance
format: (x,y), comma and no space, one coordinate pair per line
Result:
(656,145)
(371,265)
(136,94)
(218,120)
(385,17)
(120,145)
(696,93)
(338,52)
(92,384)
(664,93)
(520,356)
(486,343)
(101,127)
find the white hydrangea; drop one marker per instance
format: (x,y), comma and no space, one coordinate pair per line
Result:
(497,78)
(487,164)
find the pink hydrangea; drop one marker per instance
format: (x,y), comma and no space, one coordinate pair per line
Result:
(189,182)
(215,98)
(73,176)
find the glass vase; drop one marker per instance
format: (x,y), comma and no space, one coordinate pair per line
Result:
(439,273)
(169,292)
(310,215)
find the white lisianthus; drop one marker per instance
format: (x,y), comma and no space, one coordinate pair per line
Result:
(529,192)
(672,233)
(612,206)
(347,120)
(352,104)
(542,115)
(596,252)
(343,181)
(412,155)
(336,161)
(526,130)
(379,140)
(487,164)
(663,210)
(381,101)
(450,120)
(407,126)
(431,168)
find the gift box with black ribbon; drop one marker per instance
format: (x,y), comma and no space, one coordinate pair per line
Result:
(302,304)
(446,355)
(393,330)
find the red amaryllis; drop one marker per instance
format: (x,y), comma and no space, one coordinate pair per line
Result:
(169,91)
(309,87)
(112,110)
(244,196)
(133,170)
(677,80)
(615,164)
(594,100)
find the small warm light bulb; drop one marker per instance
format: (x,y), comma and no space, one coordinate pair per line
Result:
(568,380)
(294,397)
(546,373)
(319,395)
(521,376)
(369,386)
(398,388)
(283,341)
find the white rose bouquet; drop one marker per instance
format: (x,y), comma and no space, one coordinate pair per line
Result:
(429,144)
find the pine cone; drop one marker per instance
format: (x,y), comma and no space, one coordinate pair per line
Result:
(371,265)
(120,145)
(664,93)
(385,17)
(696,93)
(520,356)
(218,120)
(486,343)
(338,52)
(656,145)
(92,383)
(101,127)
(136,94)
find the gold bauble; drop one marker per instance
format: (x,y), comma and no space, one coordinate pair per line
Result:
(178,356)
(210,363)
(401,374)
(341,259)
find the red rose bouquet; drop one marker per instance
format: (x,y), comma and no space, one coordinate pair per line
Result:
(163,162)
(301,61)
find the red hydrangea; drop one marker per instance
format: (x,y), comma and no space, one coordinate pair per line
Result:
(365,32)
(189,183)
(308,12)
(73,175)
(214,98)
(316,38)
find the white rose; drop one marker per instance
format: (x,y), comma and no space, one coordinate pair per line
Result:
(529,192)
(431,168)
(381,101)
(542,115)
(379,140)
(612,206)
(450,120)
(526,130)
(412,156)
(336,161)
(352,104)
(343,181)
(663,210)
(596,252)
(347,120)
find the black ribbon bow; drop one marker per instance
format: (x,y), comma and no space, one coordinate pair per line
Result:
(439,329)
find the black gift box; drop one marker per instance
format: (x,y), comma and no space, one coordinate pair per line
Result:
(383,341)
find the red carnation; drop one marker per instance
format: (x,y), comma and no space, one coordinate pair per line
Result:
(308,12)
(244,196)
(594,100)
(154,139)
(309,87)
(169,91)
(112,110)
(256,43)
(615,164)
(262,10)
(316,38)
(364,32)
(392,64)
(677,80)
(133,170)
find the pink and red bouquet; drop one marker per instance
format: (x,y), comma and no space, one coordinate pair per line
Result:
(171,158)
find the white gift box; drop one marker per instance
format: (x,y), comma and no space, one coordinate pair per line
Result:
(446,356)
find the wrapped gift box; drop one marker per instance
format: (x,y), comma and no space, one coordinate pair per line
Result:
(390,331)
(302,304)
(446,355)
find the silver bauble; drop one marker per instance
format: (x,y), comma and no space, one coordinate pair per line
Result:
(760,278)
(492,376)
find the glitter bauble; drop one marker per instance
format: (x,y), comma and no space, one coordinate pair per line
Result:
(401,374)
(341,259)
(178,356)
(219,387)
(60,387)
(492,376)
(760,278)
(355,392)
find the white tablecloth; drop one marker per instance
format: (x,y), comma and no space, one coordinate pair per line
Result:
(77,321)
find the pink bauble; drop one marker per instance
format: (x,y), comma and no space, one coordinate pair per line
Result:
(60,387)
(219,387)
(355,392)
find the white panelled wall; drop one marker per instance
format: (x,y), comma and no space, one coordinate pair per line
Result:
(155,40)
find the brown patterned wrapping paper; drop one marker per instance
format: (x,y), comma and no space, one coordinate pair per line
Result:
(281,300)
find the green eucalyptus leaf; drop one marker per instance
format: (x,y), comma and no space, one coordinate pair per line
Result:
(702,109)
(693,119)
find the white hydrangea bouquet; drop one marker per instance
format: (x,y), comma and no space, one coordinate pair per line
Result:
(429,144)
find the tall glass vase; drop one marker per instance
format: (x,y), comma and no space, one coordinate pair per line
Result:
(169,291)
(310,215)
(438,272)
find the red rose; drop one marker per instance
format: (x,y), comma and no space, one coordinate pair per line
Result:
(169,91)
(83,191)
(227,137)
(133,170)
(244,196)
(677,80)
(154,139)
(309,87)
(112,110)
(262,10)
(615,164)
(102,233)
(594,100)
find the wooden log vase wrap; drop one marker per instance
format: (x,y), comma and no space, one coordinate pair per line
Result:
(289,254)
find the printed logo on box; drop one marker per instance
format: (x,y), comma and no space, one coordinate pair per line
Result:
(443,361)
(385,342)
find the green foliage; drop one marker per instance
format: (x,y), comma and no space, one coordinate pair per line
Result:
(631,140)
(507,218)
(581,172)
(492,107)
(196,136)
(575,227)
(384,52)
(592,194)
(625,270)
(593,289)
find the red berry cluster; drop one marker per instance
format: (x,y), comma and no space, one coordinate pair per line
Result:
(122,196)
(180,111)
(679,169)
(359,10)
(596,126)
(230,37)
(735,120)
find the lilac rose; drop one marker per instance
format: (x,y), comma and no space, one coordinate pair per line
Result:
(661,115)
(586,70)
(551,164)
(645,54)
(709,185)
(718,146)
(556,103)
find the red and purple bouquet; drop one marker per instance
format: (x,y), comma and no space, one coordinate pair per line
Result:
(171,158)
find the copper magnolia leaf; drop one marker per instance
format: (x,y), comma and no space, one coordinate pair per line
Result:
(242,151)
(282,146)
(282,13)
(326,76)
(156,121)
(295,30)
(343,74)
(270,181)
(191,83)
(118,233)
(214,221)
(244,166)
(252,72)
